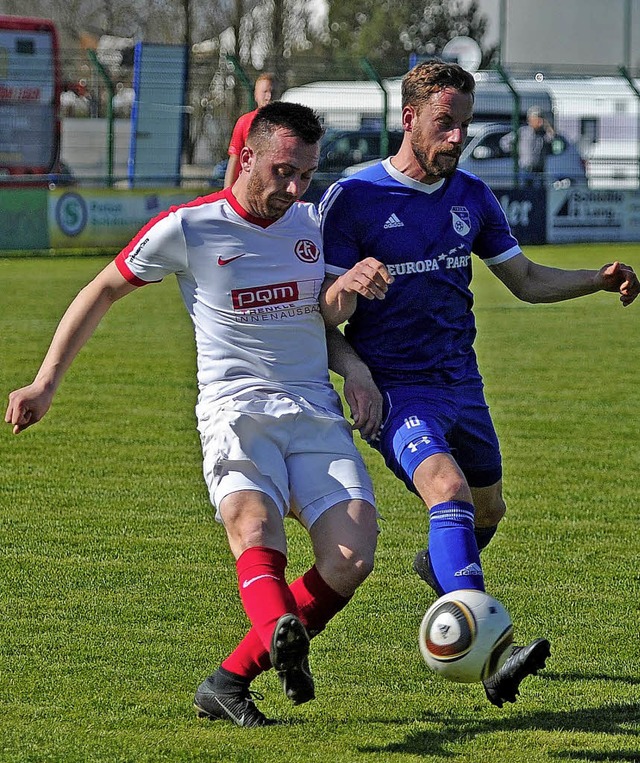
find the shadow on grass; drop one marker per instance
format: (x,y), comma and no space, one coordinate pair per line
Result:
(624,757)
(631,680)
(451,729)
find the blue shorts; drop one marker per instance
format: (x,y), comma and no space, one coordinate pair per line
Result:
(421,421)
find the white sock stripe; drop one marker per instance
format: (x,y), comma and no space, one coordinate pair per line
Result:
(462,514)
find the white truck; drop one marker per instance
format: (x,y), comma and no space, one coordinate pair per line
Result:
(354,105)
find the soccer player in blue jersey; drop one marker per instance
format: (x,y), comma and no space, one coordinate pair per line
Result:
(398,240)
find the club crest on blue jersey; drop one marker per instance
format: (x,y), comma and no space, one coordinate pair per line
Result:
(461,220)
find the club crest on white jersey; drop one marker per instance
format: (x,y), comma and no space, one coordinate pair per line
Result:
(307,251)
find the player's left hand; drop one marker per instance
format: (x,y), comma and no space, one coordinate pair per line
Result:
(621,278)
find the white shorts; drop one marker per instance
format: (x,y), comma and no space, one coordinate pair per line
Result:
(303,458)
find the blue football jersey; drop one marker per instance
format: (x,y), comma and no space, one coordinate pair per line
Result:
(423,331)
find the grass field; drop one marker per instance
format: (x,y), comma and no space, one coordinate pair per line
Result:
(117,589)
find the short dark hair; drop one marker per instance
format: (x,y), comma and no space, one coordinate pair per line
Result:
(302,121)
(429,77)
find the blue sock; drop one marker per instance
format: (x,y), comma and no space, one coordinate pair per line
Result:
(453,549)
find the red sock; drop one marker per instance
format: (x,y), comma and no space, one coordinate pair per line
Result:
(316,602)
(249,658)
(263,589)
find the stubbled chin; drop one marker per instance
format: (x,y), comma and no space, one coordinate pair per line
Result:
(278,207)
(448,165)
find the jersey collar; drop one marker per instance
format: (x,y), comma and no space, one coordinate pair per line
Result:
(410,182)
(240,210)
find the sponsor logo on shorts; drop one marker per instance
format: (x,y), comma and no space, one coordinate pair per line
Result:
(261,296)
(414,445)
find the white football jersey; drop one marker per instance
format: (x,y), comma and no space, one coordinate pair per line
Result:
(251,287)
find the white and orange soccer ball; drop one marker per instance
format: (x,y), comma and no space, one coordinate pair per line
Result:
(466,636)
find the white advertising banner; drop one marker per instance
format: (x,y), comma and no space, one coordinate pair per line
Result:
(91,218)
(583,214)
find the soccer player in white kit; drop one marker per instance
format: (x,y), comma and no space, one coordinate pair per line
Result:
(249,265)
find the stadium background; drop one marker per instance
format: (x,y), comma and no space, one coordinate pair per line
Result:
(585,54)
(116,585)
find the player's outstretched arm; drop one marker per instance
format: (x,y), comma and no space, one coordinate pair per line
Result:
(536,283)
(29,404)
(360,391)
(369,278)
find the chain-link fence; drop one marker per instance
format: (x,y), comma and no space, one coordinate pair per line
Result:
(588,125)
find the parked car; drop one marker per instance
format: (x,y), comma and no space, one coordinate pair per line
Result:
(486,154)
(614,164)
(338,149)
(342,148)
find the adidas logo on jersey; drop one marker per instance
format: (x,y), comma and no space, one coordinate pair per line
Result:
(393,222)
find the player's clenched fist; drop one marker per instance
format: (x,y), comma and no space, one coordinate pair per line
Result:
(26,406)
(619,277)
(368,278)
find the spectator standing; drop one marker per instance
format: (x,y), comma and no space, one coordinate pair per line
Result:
(535,141)
(262,93)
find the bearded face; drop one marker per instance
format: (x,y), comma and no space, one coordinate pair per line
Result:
(439,131)
(278,173)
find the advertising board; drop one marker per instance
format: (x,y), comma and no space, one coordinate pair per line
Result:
(583,214)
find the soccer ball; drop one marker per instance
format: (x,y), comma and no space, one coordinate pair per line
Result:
(465,636)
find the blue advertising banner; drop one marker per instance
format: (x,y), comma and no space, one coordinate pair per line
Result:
(526,210)
(157,117)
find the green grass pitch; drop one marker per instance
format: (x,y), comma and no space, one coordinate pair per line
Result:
(117,589)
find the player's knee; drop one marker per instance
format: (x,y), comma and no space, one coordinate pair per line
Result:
(490,514)
(357,566)
(252,522)
(446,486)
(348,569)
(439,479)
